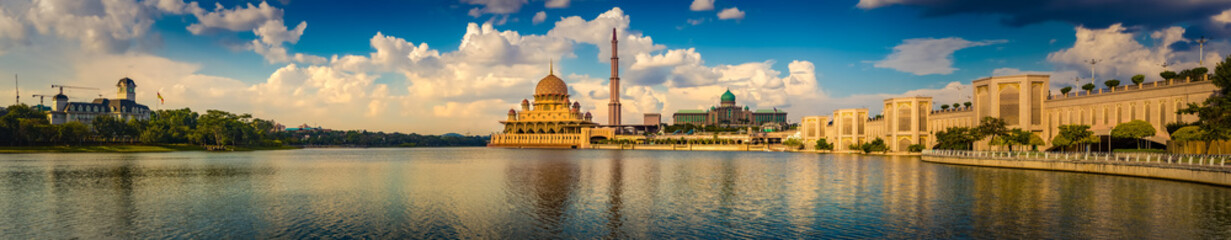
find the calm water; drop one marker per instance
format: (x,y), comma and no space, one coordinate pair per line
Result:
(498,193)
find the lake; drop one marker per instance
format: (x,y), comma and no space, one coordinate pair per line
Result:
(446,193)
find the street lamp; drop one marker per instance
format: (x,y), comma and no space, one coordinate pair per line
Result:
(1201,42)
(1092,62)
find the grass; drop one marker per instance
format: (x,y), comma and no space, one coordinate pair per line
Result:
(135,148)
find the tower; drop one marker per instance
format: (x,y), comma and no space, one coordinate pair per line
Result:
(613,107)
(126,89)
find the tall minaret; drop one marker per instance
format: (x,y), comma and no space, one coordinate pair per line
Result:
(613,107)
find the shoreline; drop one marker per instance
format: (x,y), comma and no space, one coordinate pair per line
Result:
(125,148)
(1193,174)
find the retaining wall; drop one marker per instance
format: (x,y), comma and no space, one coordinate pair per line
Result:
(1210,175)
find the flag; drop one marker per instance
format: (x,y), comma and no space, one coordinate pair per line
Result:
(160,100)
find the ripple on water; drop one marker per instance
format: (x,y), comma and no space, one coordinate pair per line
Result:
(477,193)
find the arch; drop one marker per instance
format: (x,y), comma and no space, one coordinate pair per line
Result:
(904,144)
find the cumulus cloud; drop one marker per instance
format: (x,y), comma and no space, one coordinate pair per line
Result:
(539,17)
(240,18)
(924,56)
(1153,14)
(556,4)
(701,5)
(462,89)
(110,26)
(731,13)
(503,7)
(1120,55)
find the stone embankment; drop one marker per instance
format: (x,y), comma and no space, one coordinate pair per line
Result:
(1209,169)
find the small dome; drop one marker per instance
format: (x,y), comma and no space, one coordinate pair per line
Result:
(551,85)
(511,111)
(588,115)
(126,81)
(576,104)
(728,96)
(524,101)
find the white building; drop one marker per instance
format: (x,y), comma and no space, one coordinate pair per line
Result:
(124,106)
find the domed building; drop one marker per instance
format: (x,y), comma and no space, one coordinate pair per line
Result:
(550,121)
(727,114)
(123,107)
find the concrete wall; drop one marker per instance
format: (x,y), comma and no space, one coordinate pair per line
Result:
(1209,175)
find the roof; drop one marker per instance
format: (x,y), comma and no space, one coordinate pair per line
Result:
(551,85)
(690,111)
(727,96)
(768,111)
(126,80)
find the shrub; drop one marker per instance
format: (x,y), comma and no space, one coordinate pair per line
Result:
(1066,90)
(1088,86)
(1167,75)
(916,148)
(1138,79)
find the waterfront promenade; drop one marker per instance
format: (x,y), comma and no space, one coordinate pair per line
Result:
(1210,169)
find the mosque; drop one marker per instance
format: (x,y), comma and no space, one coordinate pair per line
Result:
(553,121)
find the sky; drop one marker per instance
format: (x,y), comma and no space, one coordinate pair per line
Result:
(441,66)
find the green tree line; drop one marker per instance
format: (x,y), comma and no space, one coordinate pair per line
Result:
(22,125)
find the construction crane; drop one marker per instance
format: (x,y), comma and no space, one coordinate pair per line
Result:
(62,87)
(40,98)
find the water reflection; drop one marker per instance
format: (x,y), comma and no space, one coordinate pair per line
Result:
(548,194)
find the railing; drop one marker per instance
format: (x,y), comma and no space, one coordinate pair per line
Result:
(1136,158)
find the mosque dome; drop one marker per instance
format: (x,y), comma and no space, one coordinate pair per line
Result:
(551,85)
(728,96)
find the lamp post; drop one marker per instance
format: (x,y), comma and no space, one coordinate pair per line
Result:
(1092,62)
(1201,42)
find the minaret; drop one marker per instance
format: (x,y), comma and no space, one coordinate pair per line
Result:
(613,107)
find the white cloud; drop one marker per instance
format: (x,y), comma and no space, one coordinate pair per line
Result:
(924,56)
(502,7)
(1120,54)
(240,18)
(701,5)
(731,13)
(695,22)
(556,4)
(111,26)
(539,17)
(870,4)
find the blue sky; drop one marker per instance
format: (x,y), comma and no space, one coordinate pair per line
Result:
(809,57)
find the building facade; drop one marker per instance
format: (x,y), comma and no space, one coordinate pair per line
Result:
(1022,101)
(123,107)
(728,114)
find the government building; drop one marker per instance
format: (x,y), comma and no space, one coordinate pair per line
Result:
(124,107)
(727,114)
(1022,101)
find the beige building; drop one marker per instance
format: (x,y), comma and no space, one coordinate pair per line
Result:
(1022,101)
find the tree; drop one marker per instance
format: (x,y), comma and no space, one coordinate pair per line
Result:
(1136,129)
(877,145)
(1061,141)
(1185,74)
(1035,141)
(1198,73)
(793,143)
(1172,127)
(1066,90)
(967,104)
(1189,133)
(1088,87)
(1077,135)
(1167,75)
(955,138)
(1017,136)
(944,107)
(1138,79)
(954,105)
(1215,113)
(990,126)
(1112,83)
(915,148)
(821,144)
